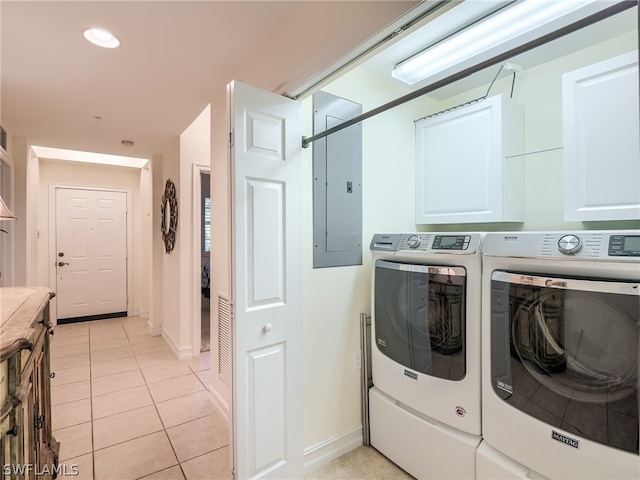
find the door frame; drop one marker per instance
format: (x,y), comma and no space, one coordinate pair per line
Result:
(197,254)
(8,254)
(53,234)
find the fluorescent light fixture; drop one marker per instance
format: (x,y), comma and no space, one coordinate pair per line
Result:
(101,38)
(514,24)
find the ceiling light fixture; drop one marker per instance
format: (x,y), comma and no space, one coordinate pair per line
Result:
(518,22)
(101,38)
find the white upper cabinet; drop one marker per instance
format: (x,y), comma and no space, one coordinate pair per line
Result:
(464,172)
(601,136)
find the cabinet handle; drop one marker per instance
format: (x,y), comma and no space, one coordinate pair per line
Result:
(13,431)
(52,374)
(26,344)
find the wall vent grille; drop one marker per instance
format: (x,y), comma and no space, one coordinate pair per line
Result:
(224,339)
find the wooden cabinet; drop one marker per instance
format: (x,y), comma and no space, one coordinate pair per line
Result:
(468,168)
(601,136)
(29,449)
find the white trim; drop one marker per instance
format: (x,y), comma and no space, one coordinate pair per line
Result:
(324,452)
(9,253)
(182,353)
(219,403)
(52,241)
(154,331)
(196,220)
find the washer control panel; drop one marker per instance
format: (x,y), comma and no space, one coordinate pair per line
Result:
(451,242)
(455,243)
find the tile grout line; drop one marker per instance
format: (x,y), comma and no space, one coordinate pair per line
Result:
(155,406)
(191,368)
(93,444)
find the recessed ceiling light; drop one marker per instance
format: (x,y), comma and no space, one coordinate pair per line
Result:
(101,38)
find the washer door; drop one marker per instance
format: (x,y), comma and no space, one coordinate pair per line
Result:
(565,351)
(419,317)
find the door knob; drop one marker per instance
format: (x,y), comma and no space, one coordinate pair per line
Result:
(62,264)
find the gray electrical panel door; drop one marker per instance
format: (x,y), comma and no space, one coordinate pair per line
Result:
(337,183)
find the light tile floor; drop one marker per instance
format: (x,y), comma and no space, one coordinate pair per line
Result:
(124,408)
(363,463)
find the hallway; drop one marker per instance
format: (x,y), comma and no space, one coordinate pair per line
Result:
(125,408)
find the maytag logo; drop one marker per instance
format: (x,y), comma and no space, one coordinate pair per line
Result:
(566,440)
(504,386)
(510,238)
(410,374)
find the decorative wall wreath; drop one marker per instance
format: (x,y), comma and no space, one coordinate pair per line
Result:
(169,212)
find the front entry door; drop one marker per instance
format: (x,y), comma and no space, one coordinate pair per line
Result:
(266,284)
(91,253)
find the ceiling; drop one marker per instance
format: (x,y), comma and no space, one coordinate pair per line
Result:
(58,90)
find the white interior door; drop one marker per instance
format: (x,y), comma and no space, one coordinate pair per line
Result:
(266,284)
(91,253)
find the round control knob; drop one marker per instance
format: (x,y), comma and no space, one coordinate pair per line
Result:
(414,241)
(569,244)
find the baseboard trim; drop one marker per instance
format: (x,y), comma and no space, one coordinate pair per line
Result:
(184,353)
(154,331)
(324,452)
(219,403)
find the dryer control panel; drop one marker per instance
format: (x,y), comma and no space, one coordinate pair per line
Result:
(451,243)
(624,245)
(592,244)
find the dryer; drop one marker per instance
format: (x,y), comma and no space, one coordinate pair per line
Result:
(560,355)
(424,407)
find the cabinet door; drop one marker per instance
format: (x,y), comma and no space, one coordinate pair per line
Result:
(463,174)
(8,444)
(29,455)
(601,134)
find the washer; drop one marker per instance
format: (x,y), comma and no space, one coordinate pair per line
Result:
(424,407)
(560,361)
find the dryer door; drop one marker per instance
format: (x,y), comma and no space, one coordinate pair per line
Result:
(419,317)
(565,351)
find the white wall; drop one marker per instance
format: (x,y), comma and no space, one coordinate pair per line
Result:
(334,297)
(219,284)
(169,288)
(157,295)
(20,153)
(180,273)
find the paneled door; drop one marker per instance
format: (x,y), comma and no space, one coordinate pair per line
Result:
(91,253)
(266,284)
